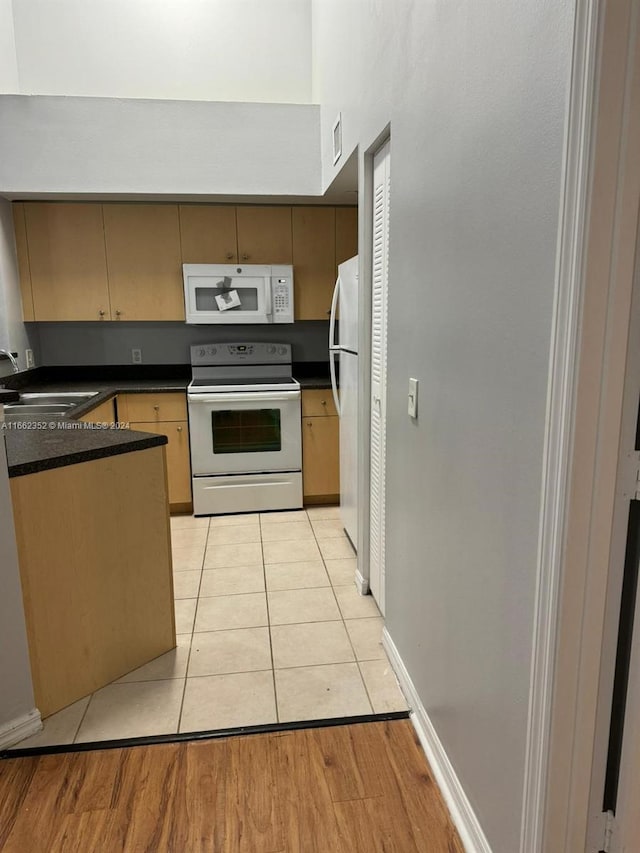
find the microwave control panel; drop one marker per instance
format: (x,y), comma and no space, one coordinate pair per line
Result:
(282,296)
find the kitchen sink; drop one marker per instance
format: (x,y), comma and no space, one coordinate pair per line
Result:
(70,398)
(46,404)
(38,408)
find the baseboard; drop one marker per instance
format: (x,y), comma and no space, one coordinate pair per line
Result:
(362,583)
(462,815)
(20,728)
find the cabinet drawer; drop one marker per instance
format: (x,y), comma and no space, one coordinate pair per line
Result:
(152,408)
(318,402)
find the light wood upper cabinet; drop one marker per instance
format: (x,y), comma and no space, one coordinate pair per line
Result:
(208,234)
(117,261)
(144,261)
(264,235)
(24,270)
(314,261)
(67,261)
(346,233)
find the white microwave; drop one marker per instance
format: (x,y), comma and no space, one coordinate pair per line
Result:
(238,293)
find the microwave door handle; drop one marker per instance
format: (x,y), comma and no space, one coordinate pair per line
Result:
(267,298)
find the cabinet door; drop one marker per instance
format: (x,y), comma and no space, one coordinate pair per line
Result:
(346,233)
(314,261)
(67,261)
(321,458)
(144,262)
(178,465)
(264,235)
(208,234)
(24,271)
(102,414)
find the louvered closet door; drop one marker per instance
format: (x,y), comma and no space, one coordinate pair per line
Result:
(381,182)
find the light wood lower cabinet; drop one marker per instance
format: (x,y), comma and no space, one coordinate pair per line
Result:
(94,549)
(178,464)
(105,413)
(320,448)
(164,414)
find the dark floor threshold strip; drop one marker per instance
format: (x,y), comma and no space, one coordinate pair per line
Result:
(268,728)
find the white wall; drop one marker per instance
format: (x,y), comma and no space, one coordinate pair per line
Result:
(476,96)
(154,147)
(8,61)
(14,335)
(231,50)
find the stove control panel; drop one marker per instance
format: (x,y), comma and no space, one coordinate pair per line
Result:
(240,353)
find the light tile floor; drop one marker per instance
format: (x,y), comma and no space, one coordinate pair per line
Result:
(270,629)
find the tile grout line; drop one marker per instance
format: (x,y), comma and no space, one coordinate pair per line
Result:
(193,629)
(266,597)
(342,616)
(82,718)
(260,669)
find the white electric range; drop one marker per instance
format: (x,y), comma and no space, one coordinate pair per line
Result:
(244,429)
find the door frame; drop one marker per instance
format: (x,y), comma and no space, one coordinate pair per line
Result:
(603,138)
(365,267)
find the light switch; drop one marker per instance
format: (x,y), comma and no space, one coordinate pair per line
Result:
(413,398)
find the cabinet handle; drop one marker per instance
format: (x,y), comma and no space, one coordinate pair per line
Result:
(323,402)
(156,408)
(245,257)
(118,313)
(101,313)
(230,256)
(179,429)
(309,423)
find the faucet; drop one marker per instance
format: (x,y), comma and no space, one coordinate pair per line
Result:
(12,359)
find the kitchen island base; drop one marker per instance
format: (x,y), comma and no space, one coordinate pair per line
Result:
(94,549)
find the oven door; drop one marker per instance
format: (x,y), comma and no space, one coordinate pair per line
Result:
(242,433)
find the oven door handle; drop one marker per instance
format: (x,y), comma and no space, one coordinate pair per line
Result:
(257,397)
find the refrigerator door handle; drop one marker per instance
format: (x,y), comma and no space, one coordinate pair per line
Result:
(333,345)
(334,349)
(334,387)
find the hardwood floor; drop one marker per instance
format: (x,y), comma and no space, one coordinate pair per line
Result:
(331,790)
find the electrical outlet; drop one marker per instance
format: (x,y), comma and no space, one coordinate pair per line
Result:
(29,360)
(136,356)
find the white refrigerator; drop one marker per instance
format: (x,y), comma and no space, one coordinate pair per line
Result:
(343,346)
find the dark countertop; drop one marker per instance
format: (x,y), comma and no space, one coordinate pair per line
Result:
(57,442)
(43,443)
(312,374)
(31,449)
